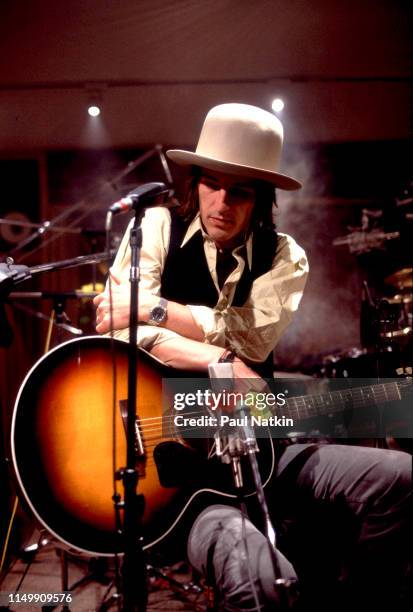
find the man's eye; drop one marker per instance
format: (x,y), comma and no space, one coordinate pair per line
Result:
(212,185)
(240,193)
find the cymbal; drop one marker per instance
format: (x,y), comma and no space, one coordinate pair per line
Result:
(400,298)
(91,288)
(402,278)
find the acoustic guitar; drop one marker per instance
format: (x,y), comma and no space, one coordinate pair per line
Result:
(62,444)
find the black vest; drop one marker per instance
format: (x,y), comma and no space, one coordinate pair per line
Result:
(186,278)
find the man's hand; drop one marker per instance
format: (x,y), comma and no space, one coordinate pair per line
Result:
(246,380)
(241,370)
(121,306)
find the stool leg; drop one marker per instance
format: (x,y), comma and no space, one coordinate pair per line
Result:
(64,567)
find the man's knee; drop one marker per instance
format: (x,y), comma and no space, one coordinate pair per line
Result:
(225,544)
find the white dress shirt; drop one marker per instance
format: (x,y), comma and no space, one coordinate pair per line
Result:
(251,330)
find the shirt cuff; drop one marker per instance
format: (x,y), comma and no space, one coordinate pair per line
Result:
(148,335)
(204,317)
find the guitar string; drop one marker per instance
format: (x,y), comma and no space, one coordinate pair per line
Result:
(380,396)
(172,436)
(146,429)
(158,423)
(302,412)
(300,403)
(160,428)
(159,435)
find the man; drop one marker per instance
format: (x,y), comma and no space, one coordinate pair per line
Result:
(219,284)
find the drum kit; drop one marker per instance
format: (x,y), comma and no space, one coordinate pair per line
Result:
(386,333)
(385,261)
(386,310)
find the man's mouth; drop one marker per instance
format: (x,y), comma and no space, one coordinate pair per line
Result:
(222,221)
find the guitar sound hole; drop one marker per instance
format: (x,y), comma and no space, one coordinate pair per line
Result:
(177,465)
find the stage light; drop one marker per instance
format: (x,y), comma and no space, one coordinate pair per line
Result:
(277,105)
(94,100)
(94,110)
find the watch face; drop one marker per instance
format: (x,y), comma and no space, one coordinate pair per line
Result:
(158,314)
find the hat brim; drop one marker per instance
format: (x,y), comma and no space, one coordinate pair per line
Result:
(187,158)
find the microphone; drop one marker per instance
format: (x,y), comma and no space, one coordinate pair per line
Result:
(149,194)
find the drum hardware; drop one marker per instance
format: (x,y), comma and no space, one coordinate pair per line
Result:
(399,333)
(12,274)
(386,323)
(396,319)
(400,299)
(358,362)
(382,320)
(368,236)
(58,317)
(402,279)
(360,242)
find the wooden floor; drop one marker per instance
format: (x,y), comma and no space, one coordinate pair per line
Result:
(91,583)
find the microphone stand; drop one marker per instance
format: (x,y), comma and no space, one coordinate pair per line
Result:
(231,447)
(283,586)
(135,592)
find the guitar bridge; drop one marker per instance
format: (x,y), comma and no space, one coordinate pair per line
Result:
(138,442)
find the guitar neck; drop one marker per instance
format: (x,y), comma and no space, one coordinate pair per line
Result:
(309,406)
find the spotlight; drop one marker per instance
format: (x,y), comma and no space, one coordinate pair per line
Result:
(277,105)
(94,100)
(94,110)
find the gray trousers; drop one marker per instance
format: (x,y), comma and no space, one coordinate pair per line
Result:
(343,520)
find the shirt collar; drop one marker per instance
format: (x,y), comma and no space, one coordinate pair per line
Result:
(196,226)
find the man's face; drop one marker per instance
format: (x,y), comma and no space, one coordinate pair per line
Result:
(225,204)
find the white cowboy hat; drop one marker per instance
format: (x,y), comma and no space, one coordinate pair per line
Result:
(242,140)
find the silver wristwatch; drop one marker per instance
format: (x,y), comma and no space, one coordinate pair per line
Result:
(158,313)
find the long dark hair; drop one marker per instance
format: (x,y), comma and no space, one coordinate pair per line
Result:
(262,214)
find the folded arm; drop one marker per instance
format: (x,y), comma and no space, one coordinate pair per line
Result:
(193,336)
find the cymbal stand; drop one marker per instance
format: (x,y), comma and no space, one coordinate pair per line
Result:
(59,298)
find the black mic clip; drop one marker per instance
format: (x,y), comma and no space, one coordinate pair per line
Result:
(149,194)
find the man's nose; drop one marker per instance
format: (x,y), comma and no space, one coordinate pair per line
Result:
(223,197)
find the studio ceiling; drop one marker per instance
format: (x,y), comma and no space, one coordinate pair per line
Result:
(344,69)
